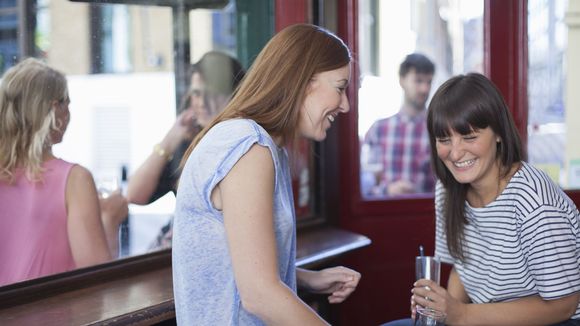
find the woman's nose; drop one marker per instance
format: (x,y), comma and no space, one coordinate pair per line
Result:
(198,102)
(344,105)
(456,151)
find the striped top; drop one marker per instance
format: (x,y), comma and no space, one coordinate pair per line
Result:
(524,243)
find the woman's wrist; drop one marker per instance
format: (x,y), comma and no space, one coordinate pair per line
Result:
(163,152)
(458,314)
(303,278)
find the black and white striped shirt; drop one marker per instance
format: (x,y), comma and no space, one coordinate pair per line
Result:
(526,242)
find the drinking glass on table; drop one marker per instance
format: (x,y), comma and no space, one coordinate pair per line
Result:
(428,267)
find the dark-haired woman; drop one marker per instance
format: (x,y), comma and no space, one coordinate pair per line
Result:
(511,234)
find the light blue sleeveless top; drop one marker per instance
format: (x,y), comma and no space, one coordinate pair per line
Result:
(203,279)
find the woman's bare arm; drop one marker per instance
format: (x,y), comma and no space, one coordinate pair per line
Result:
(246,195)
(85,229)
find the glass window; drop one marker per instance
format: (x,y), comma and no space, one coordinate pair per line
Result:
(9,48)
(123,96)
(120,63)
(553,118)
(392,99)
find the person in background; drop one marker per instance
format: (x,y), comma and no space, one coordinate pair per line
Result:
(234,245)
(399,145)
(213,79)
(50,219)
(511,234)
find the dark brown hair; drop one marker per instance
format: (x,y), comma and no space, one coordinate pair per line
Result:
(220,73)
(417,61)
(467,103)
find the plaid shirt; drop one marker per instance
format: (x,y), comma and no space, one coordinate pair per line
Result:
(399,145)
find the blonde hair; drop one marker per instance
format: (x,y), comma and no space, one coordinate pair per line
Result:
(27,93)
(275,86)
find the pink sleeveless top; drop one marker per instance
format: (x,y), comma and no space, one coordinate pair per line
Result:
(33,225)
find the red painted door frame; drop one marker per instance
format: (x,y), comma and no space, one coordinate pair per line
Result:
(506,55)
(397,227)
(290,12)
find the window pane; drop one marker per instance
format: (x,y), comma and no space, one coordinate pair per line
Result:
(120,66)
(392,131)
(9,50)
(553,119)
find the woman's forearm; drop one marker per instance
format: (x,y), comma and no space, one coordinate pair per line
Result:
(527,311)
(303,278)
(276,304)
(144,181)
(455,304)
(455,287)
(112,235)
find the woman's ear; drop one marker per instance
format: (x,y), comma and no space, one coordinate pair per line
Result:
(54,104)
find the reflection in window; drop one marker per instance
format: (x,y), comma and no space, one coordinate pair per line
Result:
(119,64)
(110,39)
(9,48)
(450,34)
(548,147)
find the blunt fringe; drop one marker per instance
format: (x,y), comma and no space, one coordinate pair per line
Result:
(464,104)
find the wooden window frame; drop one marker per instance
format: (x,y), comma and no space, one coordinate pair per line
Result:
(505,63)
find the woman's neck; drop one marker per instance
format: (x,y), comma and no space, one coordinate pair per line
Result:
(278,141)
(482,194)
(47,155)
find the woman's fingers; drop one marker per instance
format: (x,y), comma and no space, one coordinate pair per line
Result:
(428,296)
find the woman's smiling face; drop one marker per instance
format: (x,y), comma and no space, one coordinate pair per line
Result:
(471,158)
(325,99)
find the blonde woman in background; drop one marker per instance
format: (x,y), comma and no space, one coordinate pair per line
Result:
(50,216)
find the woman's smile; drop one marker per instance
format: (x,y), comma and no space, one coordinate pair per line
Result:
(470,158)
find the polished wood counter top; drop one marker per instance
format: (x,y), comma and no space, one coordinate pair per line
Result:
(135,291)
(142,299)
(320,245)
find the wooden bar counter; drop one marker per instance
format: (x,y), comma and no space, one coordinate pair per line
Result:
(136,290)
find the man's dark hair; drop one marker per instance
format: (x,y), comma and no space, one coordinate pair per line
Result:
(417,61)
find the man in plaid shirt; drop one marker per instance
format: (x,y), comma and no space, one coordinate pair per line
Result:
(397,148)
